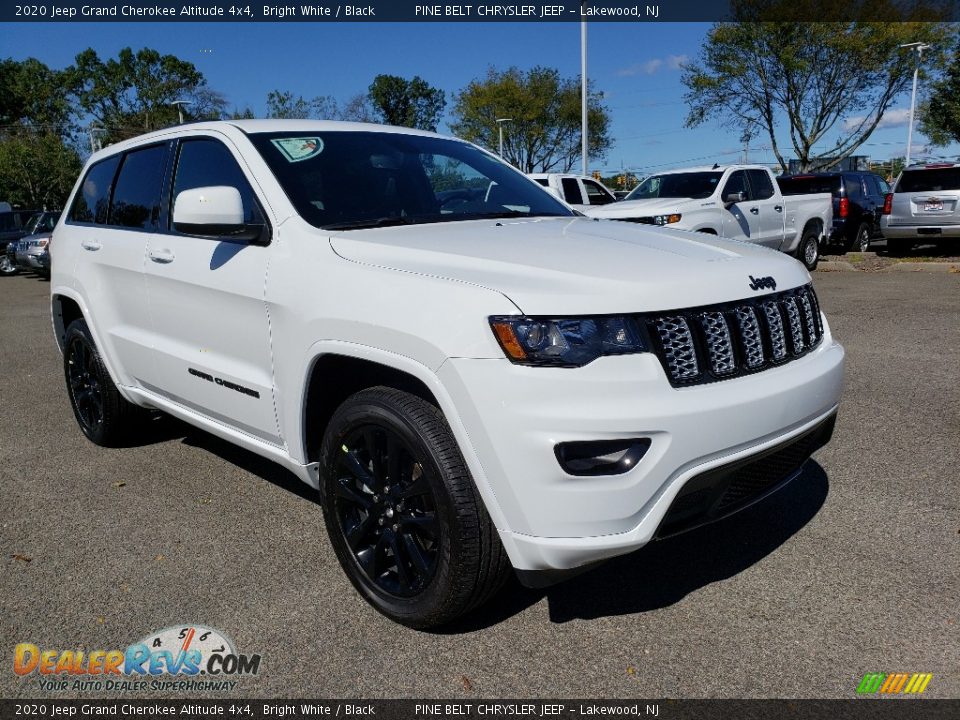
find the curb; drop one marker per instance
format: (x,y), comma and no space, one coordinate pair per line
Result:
(942,267)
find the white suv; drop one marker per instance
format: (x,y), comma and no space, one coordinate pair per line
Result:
(473,376)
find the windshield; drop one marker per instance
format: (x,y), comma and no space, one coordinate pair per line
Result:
(350,180)
(695,185)
(929,180)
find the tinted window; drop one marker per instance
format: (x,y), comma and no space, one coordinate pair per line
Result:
(9,221)
(852,185)
(804,184)
(543,181)
(696,185)
(203,163)
(870,182)
(884,185)
(737,182)
(760,184)
(571,190)
(596,195)
(93,200)
(345,180)
(929,180)
(136,193)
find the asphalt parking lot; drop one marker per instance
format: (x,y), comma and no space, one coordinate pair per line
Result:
(853,568)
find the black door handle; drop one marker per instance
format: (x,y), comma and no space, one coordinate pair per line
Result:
(778,208)
(755,211)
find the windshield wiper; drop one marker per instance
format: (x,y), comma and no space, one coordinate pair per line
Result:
(370,223)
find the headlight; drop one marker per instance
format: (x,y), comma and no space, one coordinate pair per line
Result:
(666,219)
(569,342)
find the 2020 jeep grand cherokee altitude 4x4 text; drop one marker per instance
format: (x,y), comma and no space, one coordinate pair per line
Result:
(473,376)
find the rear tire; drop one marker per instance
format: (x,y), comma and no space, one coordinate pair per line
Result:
(808,251)
(403,513)
(861,241)
(102,413)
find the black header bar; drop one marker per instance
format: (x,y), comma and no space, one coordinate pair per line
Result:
(329,11)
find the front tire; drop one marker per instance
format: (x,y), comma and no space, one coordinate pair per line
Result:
(808,251)
(403,513)
(102,413)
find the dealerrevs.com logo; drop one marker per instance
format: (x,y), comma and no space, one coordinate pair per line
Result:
(185,657)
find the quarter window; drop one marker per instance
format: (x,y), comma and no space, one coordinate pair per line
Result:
(93,201)
(136,194)
(206,162)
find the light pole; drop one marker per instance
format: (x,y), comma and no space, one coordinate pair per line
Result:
(178,104)
(500,122)
(919,47)
(583,88)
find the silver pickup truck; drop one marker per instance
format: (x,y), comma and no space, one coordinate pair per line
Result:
(742,202)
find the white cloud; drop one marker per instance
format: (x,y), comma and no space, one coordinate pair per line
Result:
(891,119)
(654,65)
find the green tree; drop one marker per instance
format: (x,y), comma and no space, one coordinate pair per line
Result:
(941,113)
(408,103)
(284,105)
(35,96)
(828,82)
(37,169)
(544,131)
(133,93)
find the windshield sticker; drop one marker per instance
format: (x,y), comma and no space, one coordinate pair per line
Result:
(299,149)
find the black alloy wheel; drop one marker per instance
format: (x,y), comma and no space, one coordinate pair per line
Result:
(386,511)
(103,414)
(403,513)
(86,387)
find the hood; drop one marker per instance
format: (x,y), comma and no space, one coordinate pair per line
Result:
(576,266)
(649,206)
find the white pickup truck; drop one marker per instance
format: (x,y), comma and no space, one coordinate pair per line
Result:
(741,202)
(578,191)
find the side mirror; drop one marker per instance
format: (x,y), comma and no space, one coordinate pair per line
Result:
(736,197)
(214,211)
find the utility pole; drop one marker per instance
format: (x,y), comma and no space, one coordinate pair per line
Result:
(500,122)
(178,104)
(919,47)
(583,88)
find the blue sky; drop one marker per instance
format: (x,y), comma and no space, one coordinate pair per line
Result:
(634,64)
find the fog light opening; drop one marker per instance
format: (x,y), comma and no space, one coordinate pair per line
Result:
(601,457)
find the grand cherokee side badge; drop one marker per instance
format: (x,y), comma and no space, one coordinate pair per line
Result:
(764,282)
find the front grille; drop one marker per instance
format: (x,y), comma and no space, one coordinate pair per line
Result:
(707,344)
(723,491)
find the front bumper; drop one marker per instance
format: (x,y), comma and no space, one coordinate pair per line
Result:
(514,416)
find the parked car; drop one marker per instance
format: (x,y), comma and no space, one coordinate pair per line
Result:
(858,198)
(741,202)
(578,191)
(923,207)
(471,386)
(13,226)
(29,250)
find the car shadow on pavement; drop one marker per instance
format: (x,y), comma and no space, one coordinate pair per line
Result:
(665,571)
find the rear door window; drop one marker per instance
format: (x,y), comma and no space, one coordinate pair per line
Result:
(851,184)
(571,191)
(136,193)
(92,203)
(929,180)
